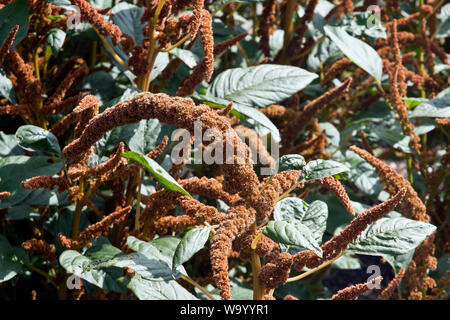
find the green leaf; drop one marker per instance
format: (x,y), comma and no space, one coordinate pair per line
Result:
(74,262)
(153,251)
(414,102)
(32,138)
(291,162)
(7,88)
(157,171)
(128,18)
(192,242)
(315,218)
(289,208)
(102,252)
(15,169)
(101,84)
(436,108)
(444,26)
(148,267)
(291,232)
(317,169)
(55,39)
(166,245)
(21,212)
(188,57)
(356,50)
(347,262)
(260,86)
(9,146)
(392,236)
(156,290)
(10,264)
(15,13)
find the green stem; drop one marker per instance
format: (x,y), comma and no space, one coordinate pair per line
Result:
(258,288)
(409,167)
(77,214)
(153,51)
(287,26)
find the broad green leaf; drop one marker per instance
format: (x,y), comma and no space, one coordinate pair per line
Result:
(392,236)
(166,245)
(74,262)
(394,137)
(15,13)
(156,290)
(7,88)
(143,247)
(313,216)
(357,50)
(188,57)
(347,262)
(444,26)
(101,84)
(317,169)
(398,261)
(362,174)
(414,102)
(55,39)
(289,208)
(162,60)
(192,242)
(153,251)
(15,169)
(260,86)
(128,18)
(291,162)
(102,252)
(9,146)
(10,264)
(436,108)
(157,171)
(291,232)
(357,24)
(21,212)
(33,138)
(315,219)
(148,267)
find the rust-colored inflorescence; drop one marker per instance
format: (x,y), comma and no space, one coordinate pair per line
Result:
(388,292)
(4,48)
(333,247)
(394,182)
(353,292)
(90,14)
(94,230)
(205,68)
(338,189)
(47,182)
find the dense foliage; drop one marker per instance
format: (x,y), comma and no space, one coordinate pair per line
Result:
(313,151)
